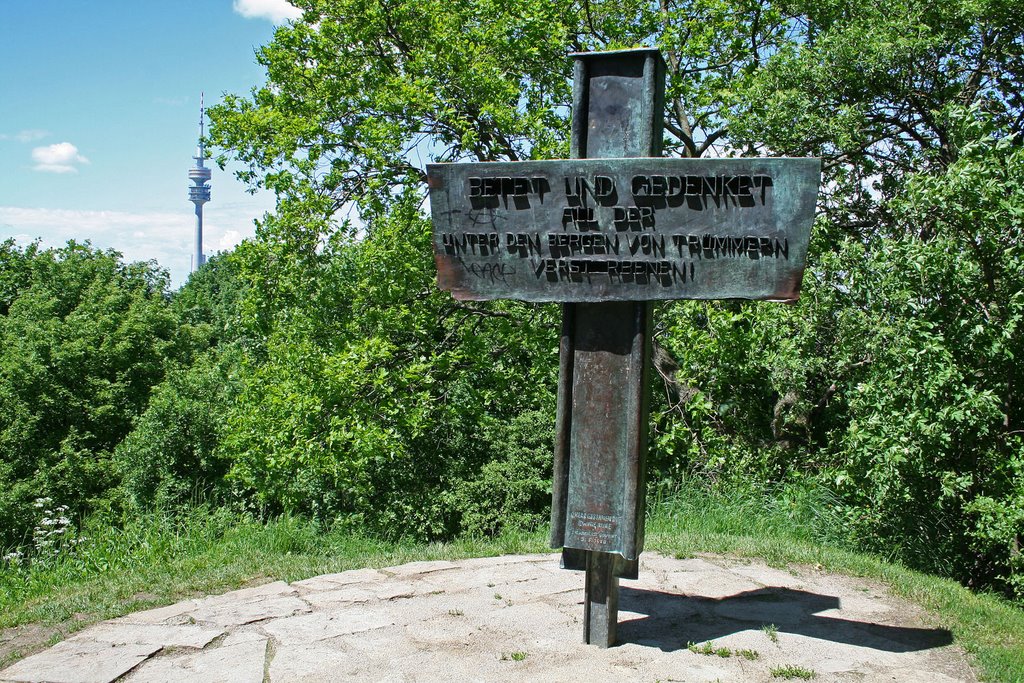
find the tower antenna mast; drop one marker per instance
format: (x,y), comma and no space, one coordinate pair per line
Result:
(199,193)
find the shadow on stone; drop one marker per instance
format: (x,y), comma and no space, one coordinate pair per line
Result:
(672,621)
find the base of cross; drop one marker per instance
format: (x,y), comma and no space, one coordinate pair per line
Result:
(601,592)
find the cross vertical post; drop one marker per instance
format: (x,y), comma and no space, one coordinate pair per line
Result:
(605,349)
(606,233)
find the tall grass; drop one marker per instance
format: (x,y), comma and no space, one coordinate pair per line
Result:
(798,511)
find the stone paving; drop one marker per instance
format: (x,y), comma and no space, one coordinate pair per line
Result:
(516,618)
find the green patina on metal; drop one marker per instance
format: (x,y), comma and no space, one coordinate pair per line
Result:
(623,229)
(606,233)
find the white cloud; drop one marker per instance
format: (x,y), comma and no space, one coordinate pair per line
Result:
(166,237)
(60,157)
(229,240)
(28,135)
(31,135)
(277,11)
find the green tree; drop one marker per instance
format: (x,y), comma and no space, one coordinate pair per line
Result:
(911,405)
(172,456)
(207,306)
(83,338)
(362,400)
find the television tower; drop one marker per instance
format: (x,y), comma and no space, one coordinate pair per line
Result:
(199,193)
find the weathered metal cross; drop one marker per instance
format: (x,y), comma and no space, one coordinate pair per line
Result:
(605,233)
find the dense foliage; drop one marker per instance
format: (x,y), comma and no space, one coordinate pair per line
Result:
(172,456)
(893,383)
(373,397)
(318,370)
(83,337)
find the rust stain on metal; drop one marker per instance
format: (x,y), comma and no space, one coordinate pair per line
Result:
(789,287)
(450,277)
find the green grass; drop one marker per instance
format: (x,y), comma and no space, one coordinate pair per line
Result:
(157,560)
(708,649)
(791,671)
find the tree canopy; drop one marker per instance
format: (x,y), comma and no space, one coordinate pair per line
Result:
(893,383)
(83,338)
(318,370)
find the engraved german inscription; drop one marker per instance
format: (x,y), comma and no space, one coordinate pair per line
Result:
(625,229)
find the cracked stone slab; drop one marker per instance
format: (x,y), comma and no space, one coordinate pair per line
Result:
(540,561)
(246,634)
(346,595)
(309,663)
(242,662)
(519,619)
(80,661)
(241,611)
(384,589)
(690,564)
(419,568)
(164,635)
(267,590)
(334,581)
(159,615)
(397,589)
(769,576)
(713,584)
(308,628)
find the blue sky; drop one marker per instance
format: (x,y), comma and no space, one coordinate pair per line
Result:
(99,115)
